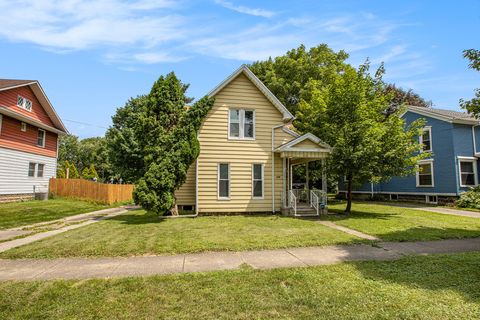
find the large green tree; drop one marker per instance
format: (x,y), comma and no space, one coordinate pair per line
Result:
(473,105)
(293,76)
(125,153)
(369,143)
(156,136)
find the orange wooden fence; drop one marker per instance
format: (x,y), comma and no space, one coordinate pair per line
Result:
(89,190)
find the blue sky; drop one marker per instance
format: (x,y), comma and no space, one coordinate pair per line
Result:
(91,56)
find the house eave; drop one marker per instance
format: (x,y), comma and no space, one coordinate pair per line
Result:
(12,114)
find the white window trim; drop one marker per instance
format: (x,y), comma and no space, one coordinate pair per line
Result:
(23,106)
(427,200)
(44,138)
(229,182)
(467,159)
(36,170)
(429,129)
(427,161)
(263,181)
(241,124)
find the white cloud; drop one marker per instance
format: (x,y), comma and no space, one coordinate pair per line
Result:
(246,10)
(79,25)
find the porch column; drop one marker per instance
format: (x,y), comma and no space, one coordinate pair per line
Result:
(324,177)
(284,183)
(306,176)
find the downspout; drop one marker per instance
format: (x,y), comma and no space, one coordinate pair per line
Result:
(273,164)
(474,142)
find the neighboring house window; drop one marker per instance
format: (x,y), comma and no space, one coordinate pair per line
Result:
(257,180)
(241,124)
(41,138)
(23,126)
(24,103)
(31,169)
(223,181)
(426,139)
(40,168)
(425,174)
(468,172)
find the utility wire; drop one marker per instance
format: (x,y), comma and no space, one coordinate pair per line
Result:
(85,123)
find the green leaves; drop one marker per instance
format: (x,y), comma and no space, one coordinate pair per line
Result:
(472,106)
(153,141)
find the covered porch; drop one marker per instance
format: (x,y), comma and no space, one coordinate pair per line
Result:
(304,199)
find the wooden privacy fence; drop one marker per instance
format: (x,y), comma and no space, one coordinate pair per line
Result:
(89,190)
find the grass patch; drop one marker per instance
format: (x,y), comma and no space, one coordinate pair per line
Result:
(140,233)
(17,214)
(392,223)
(425,287)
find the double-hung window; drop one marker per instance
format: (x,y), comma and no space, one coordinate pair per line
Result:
(40,168)
(41,138)
(257,181)
(468,172)
(31,169)
(224,181)
(425,174)
(241,124)
(426,139)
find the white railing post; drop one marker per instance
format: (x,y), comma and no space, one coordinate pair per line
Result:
(292,202)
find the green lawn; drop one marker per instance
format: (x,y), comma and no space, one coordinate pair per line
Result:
(138,233)
(18,214)
(424,287)
(393,223)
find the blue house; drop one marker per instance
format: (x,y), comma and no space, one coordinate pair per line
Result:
(453,139)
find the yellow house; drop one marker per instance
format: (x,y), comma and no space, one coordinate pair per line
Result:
(247,152)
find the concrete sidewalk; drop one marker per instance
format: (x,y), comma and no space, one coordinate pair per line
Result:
(442,210)
(78,221)
(82,268)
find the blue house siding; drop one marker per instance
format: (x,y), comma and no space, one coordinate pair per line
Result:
(449,141)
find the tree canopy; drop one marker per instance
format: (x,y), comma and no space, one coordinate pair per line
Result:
(473,105)
(369,144)
(155,138)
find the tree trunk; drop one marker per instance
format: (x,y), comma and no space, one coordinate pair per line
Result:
(349,196)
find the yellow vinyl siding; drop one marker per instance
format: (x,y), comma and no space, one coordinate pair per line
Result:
(282,137)
(240,154)
(306,144)
(186,193)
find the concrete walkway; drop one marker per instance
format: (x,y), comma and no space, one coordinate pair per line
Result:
(82,219)
(83,268)
(443,210)
(348,230)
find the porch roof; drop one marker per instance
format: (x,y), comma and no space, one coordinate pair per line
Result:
(306,146)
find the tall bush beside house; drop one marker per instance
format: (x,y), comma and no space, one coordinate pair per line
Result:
(157,136)
(470,199)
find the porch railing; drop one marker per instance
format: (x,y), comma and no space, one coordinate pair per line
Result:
(292,201)
(315,199)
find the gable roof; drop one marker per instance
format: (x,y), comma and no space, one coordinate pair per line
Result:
(7,84)
(290,146)
(259,84)
(444,115)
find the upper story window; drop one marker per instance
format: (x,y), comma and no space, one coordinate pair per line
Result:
(426,139)
(241,124)
(468,172)
(41,138)
(425,174)
(24,103)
